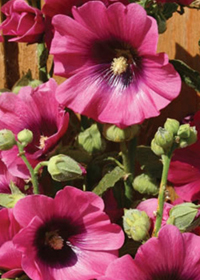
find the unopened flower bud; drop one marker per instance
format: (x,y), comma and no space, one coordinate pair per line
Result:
(136,224)
(25,137)
(182,215)
(172,125)
(184,131)
(7,139)
(164,138)
(90,140)
(63,168)
(159,151)
(113,133)
(190,140)
(145,184)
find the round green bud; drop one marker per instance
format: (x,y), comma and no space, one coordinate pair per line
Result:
(145,184)
(7,139)
(63,168)
(164,138)
(159,151)
(25,137)
(182,215)
(91,141)
(172,125)
(136,224)
(115,134)
(184,131)
(184,142)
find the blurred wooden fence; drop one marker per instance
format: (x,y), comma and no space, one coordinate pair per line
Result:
(179,41)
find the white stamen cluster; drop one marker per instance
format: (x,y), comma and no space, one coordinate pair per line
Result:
(119,65)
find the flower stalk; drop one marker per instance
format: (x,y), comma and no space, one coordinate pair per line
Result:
(161,196)
(34,178)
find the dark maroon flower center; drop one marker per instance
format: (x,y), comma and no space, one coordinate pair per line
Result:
(175,274)
(119,63)
(53,244)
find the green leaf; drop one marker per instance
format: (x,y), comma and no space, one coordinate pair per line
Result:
(169,9)
(149,162)
(109,180)
(190,76)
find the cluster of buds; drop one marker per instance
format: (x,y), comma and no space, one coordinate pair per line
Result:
(136,224)
(173,136)
(7,138)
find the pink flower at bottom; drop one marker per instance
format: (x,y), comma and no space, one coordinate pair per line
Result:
(171,256)
(68,237)
(109,57)
(10,257)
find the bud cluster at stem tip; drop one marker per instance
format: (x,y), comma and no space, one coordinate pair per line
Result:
(173,136)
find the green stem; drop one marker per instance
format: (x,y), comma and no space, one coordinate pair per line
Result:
(42,62)
(34,179)
(38,166)
(125,157)
(128,154)
(161,196)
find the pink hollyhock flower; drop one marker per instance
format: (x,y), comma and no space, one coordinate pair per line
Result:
(184,172)
(23,22)
(35,109)
(111,207)
(115,75)
(68,237)
(170,256)
(150,207)
(6,178)
(63,7)
(10,257)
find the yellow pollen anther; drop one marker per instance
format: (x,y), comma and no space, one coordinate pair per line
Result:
(54,240)
(119,65)
(42,141)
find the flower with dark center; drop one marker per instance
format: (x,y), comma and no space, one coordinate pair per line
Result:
(171,256)
(109,56)
(35,109)
(68,237)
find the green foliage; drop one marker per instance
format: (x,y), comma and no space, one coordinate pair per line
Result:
(188,75)
(90,140)
(109,180)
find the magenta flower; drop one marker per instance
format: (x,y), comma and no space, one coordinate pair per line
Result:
(23,22)
(171,256)
(115,75)
(10,257)
(150,206)
(69,237)
(6,178)
(35,109)
(63,7)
